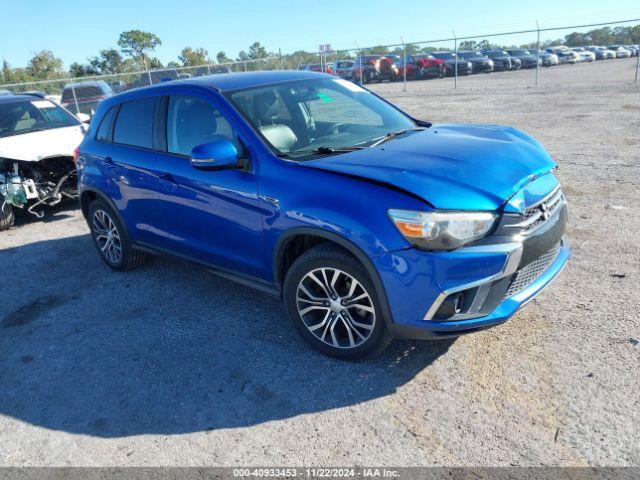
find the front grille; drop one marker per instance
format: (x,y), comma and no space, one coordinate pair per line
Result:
(528,274)
(535,216)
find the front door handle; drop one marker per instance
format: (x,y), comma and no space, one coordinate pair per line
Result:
(167,177)
(108,162)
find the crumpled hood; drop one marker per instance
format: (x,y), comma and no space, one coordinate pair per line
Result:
(452,167)
(34,146)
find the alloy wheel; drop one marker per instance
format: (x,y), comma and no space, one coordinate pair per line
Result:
(336,308)
(107,236)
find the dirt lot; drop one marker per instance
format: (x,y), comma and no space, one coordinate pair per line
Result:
(172,366)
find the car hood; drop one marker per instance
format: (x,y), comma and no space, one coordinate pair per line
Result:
(452,167)
(34,146)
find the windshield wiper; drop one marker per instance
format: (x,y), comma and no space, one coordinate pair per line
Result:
(392,135)
(329,150)
(325,150)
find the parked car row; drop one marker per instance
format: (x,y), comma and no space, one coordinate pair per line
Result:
(392,67)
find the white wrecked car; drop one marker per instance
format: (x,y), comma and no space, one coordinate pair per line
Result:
(37,143)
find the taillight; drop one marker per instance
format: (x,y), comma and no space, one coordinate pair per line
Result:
(76,154)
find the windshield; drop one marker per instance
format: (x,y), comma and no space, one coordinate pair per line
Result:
(519,53)
(298,118)
(25,116)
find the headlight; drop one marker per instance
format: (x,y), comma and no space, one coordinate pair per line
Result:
(442,230)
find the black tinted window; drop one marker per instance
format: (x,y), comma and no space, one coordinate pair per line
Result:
(88,92)
(134,125)
(104,131)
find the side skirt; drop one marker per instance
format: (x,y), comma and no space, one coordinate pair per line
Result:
(246,280)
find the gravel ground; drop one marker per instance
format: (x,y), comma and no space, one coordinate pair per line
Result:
(169,365)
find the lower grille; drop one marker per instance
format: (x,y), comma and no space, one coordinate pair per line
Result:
(528,274)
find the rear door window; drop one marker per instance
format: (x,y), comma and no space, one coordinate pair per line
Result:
(134,125)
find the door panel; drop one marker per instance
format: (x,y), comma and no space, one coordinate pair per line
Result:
(125,157)
(211,216)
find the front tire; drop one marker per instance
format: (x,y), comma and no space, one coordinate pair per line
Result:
(7,215)
(333,304)
(111,238)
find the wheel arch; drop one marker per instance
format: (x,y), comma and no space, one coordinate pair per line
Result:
(89,195)
(287,239)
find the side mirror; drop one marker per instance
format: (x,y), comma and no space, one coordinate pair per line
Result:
(216,155)
(83,117)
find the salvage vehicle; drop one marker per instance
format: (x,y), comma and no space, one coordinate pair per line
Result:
(316,67)
(601,53)
(344,69)
(528,59)
(564,54)
(451,62)
(389,68)
(546,59)
(584,55)
(430,66)
(37,142)
(479,63)
(368,223)
(367,68)
(620,51)
(420,66)
(501,59)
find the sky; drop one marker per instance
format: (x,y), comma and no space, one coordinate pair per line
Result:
(77,29)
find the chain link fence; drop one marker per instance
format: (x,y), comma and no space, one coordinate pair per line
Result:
(516,58)
(82,95)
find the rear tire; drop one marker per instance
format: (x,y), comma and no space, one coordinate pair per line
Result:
(341,316)
(7,215)
(111,239)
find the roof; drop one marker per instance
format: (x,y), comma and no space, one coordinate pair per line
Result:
(234,81)
(13,98)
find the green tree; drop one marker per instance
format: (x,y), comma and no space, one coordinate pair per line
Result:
(192,58)
(468,45)
(173,64)
(222,58)
(377,50)
(44,65)
(79,70)
(300,57)
(257,51)
(138,45)
(577,39)
(109,61)
(601,36)
(14,75)
(155,64)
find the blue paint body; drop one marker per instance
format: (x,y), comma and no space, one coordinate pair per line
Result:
(240,220)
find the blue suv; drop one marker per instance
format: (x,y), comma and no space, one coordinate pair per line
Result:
(368,223)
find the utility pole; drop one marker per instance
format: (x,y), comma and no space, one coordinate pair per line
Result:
(538,53)
(404,70)
(455,52)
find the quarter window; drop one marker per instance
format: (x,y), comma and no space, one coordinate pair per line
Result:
(134,125)
(104,131)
